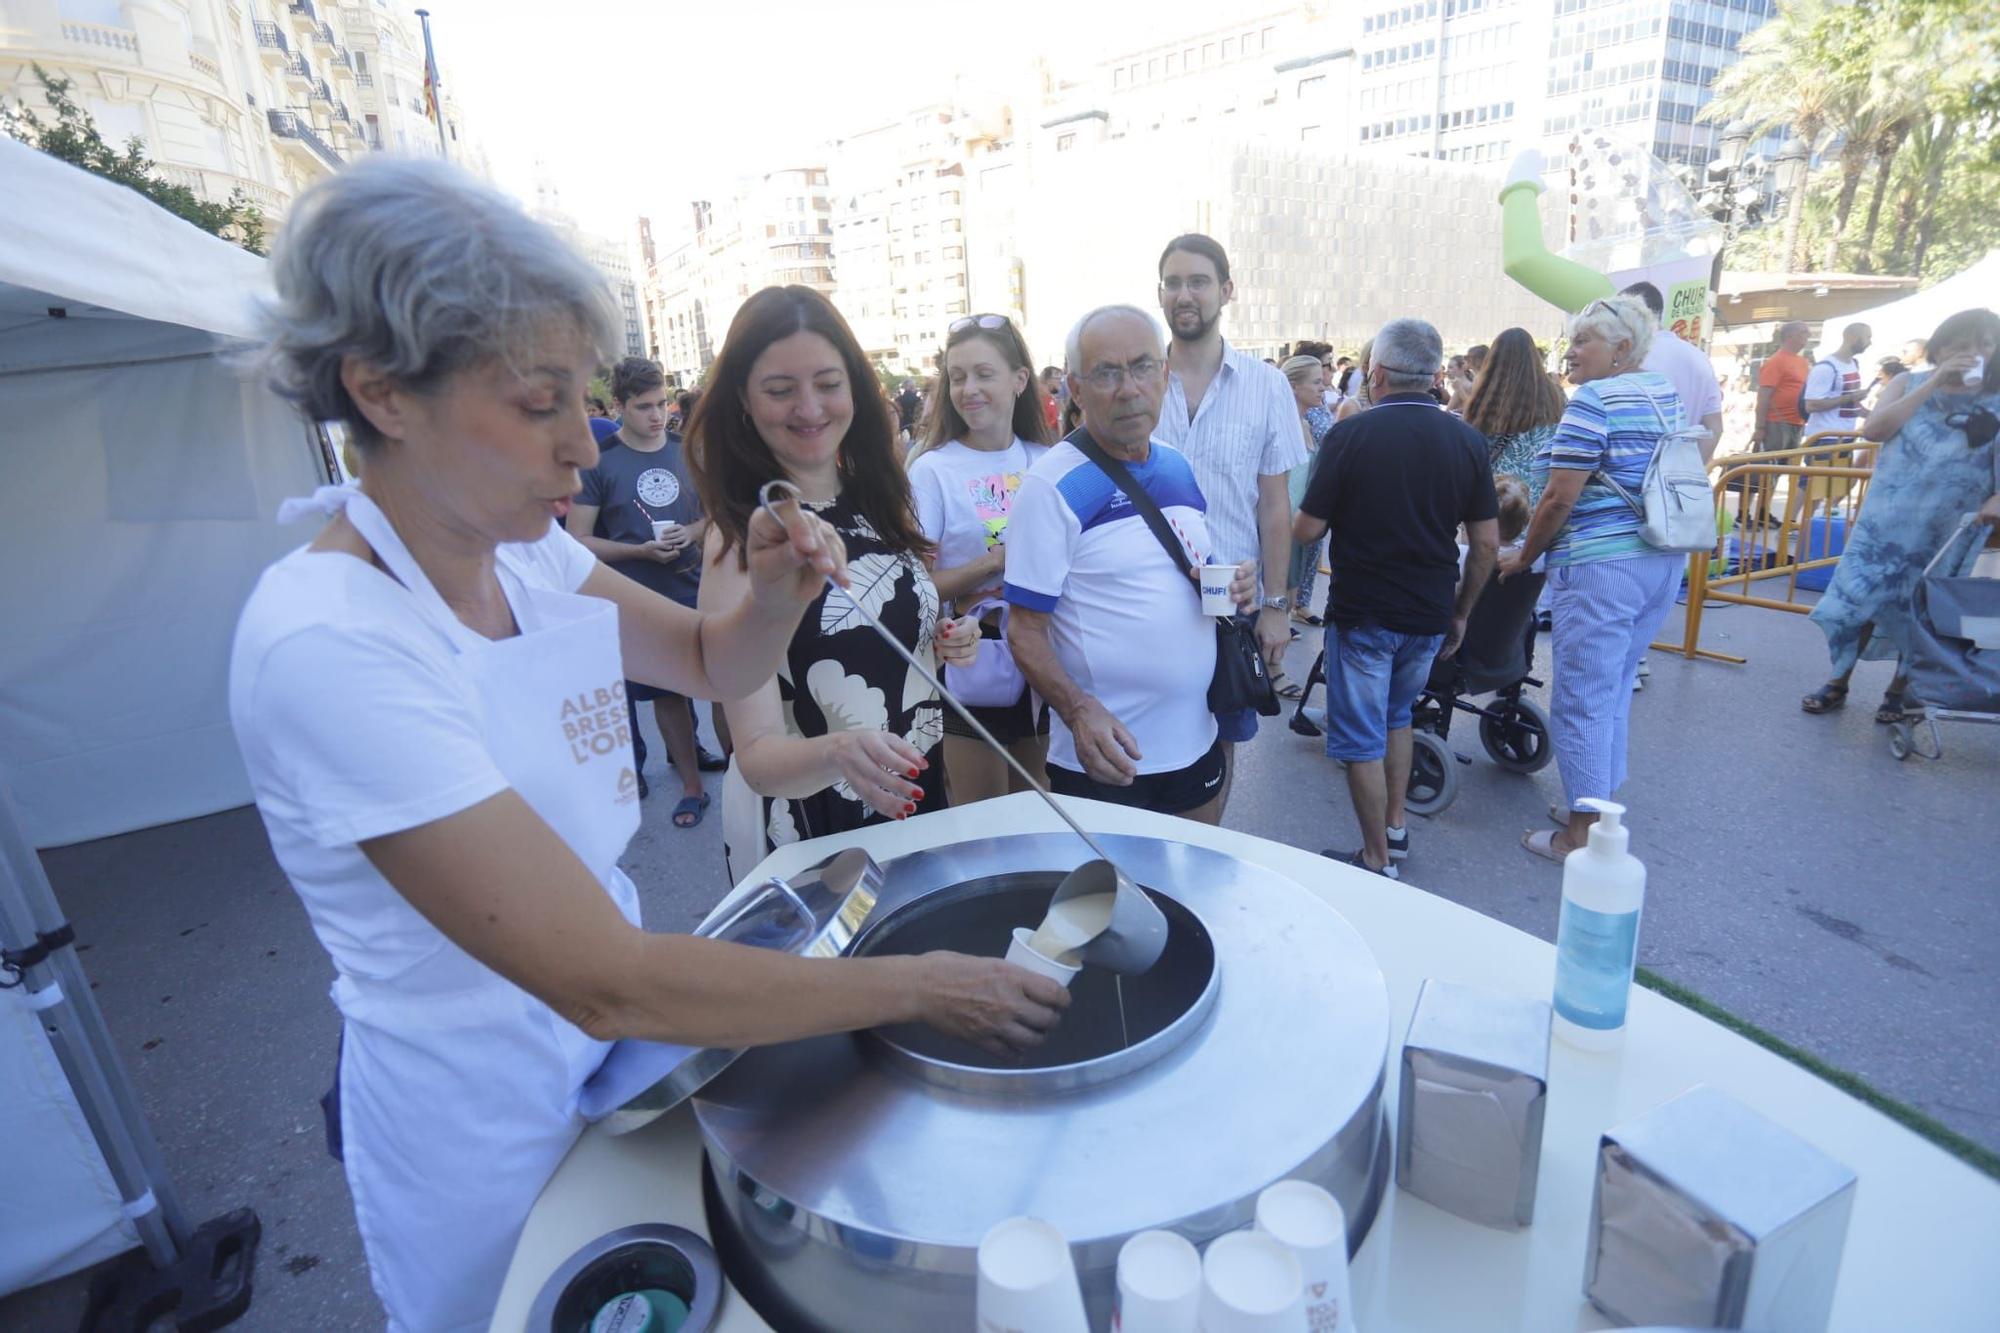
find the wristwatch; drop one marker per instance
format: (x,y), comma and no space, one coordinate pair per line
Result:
(1278,603)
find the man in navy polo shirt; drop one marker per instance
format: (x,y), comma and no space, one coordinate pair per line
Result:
(1394,483)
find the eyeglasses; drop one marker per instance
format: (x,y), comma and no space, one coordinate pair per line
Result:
(1198,284)
(964,322)
(1109,379)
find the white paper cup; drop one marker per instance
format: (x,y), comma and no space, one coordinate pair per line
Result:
(1022,954)
(1311,1224)
(1027,1280)
(1159,1285)
(1215,598)
(663,526)
(1250,1283)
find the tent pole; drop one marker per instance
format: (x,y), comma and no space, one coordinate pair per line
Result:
(82,1043)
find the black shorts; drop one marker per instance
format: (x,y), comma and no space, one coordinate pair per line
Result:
(639,694)
(1009,723)
(1172,793)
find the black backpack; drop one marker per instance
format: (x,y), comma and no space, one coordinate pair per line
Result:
(1840,377)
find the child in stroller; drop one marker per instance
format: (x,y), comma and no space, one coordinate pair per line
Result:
(1498,650)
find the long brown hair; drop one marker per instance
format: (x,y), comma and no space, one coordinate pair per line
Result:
(1512,394)
(945,423)
(730,461)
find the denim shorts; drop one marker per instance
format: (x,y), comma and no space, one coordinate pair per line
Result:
(1373,675)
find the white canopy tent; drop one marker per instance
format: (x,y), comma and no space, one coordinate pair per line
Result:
(142,475)
(1918,314)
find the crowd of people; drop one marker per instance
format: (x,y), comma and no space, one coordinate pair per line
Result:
(502,586)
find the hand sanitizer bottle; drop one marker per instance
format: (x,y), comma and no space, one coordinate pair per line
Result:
(1597,939)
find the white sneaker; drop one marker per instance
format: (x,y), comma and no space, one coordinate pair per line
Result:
(1638,683)
(1645,668)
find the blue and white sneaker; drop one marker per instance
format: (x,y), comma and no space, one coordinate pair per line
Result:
(1399,844)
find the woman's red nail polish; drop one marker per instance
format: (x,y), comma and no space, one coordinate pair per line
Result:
(909,808)
(913,772)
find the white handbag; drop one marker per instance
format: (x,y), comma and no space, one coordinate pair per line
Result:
(1676,507)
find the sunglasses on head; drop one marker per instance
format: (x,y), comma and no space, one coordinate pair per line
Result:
(964,322)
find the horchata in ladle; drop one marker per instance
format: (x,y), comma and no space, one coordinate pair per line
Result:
(1098,914)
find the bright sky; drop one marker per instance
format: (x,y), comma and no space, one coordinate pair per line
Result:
(638,107)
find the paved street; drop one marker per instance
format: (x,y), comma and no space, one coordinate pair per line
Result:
(1799,876)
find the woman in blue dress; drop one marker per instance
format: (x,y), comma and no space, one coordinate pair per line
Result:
(1936,463)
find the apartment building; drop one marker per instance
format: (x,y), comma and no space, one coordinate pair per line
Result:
(774,230)
(261,96)
(1478,80)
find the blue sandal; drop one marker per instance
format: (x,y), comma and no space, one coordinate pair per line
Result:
(692,807)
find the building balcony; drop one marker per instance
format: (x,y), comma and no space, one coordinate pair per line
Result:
(320,92)
(271,43)
(364,79)
(218,186)
(323,34)
(111,45)
(298,73)
(294,133)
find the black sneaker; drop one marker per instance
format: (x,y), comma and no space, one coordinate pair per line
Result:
(1399,844)
(1355,858)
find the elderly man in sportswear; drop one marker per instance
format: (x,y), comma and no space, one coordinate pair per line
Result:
(1235,419)
(1105,623)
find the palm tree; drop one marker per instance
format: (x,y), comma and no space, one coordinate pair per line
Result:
(1925,156)
(1780,80)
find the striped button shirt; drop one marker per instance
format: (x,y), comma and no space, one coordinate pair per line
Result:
(1246,427)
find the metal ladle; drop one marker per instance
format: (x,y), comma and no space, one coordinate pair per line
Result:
(1137,932)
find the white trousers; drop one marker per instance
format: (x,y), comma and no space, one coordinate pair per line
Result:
(1604,614)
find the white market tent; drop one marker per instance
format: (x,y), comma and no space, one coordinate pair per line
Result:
(1918,314)
(141,476)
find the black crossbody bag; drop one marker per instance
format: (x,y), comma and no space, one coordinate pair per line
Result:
(1240,679)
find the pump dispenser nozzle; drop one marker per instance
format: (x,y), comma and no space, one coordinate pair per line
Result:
(1608,835)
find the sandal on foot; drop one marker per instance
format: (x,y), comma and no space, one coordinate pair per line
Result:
(1559,814)
(689,811)
(1896,706)
(1542,842)
(1825,699)
(1286,687)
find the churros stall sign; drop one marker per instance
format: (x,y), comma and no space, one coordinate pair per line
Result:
(1687,310)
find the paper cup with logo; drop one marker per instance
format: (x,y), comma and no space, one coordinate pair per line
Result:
(1159,1285)
(1251,1283)
(1215,598)
(1311,1224)
(1022,954)
(1027,1280)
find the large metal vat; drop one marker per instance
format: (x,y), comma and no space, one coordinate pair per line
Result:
(851,1177)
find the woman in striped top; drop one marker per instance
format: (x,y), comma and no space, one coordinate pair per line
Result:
(1610,589)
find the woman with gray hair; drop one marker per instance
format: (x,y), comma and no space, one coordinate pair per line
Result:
(1609,589)
(429,700)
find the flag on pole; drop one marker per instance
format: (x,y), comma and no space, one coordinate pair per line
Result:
(431,112)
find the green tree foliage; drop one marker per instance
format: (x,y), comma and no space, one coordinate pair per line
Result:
(1900,102)
(73,138)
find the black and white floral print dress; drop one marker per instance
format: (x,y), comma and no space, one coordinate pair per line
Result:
(838,676)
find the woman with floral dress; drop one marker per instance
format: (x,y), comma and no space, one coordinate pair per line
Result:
(1516,407)
(847,734)
(1936,464)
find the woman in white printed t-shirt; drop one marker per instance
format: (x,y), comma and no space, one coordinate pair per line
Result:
(982,436)
(429,701)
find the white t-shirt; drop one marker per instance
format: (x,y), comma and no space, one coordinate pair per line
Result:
(1689,370)
(964,496)
(1829,378)
(1125,621)
(356,721)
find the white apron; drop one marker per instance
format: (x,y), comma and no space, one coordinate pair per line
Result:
(458,1089)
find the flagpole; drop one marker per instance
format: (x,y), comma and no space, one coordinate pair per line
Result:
(431,80)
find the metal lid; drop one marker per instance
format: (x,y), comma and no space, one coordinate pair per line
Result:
(815,915)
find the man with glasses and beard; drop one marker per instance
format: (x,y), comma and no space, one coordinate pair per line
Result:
(1236,421)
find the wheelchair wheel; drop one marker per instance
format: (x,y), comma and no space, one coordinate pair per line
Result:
(1433,775)
(1902,739)
(1515,733)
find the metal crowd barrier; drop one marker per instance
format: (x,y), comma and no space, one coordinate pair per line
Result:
(1771,537)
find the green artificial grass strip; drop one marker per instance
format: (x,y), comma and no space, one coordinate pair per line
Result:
(1972,1154)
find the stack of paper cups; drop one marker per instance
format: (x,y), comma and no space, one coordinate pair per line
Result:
(1159,1285)
(1250,1283)
(1309,1222)
(1027,1280)
(1022,954)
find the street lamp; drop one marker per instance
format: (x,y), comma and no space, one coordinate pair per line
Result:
(1735,138)
(1792,160)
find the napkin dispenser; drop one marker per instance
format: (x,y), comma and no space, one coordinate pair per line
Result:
(1474,1088)
(1707,1214)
